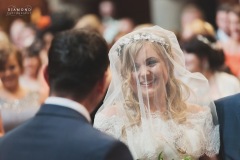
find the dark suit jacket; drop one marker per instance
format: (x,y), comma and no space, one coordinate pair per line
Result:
(228,110)
(60,133)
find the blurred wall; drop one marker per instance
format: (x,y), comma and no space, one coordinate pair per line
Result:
(138,10)
(167,13)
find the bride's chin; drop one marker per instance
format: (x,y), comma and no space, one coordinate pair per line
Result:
(148,94)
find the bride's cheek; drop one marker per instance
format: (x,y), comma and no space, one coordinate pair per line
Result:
(133,84)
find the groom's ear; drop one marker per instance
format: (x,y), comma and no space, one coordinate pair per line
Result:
(46,75)
(103,84)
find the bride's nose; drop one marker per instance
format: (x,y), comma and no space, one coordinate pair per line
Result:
(144,71)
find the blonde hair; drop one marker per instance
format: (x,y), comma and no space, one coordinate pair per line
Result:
(4,41)
(89,21)
(144,25)
(176,105)
(197,27)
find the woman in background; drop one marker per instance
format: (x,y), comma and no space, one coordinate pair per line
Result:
(232,46)
(17,104)
(202,55)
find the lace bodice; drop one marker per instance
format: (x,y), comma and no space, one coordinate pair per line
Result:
(195,137)
(153,103)
(15,112)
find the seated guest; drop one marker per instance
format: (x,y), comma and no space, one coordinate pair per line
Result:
(17,104)
(232,46)
(202,55)
(31,64)
(222,22)
(228,110)
(197,27)
(61,130)
(32,77)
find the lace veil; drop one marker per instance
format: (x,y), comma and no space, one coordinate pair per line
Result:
(157,101)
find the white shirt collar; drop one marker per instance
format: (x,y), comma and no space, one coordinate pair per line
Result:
(64,102)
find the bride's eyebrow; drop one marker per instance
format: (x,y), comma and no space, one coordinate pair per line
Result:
(152,58)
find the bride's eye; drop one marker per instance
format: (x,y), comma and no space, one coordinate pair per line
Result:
(151,62)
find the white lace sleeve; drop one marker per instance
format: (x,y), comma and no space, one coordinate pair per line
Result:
(110,124)
(204,133)
(212,136)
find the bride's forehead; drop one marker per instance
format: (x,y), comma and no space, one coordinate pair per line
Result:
(147,50)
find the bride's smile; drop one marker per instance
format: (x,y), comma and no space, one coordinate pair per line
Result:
(149,73)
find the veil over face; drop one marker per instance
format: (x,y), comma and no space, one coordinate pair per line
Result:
(153,93)
(149,75)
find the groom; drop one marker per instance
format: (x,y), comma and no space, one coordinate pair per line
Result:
(228,110)
(61,130)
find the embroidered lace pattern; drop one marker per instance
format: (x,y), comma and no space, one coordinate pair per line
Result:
(196,137)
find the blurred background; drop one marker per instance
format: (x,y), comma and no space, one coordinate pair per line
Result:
(208,32)
(165,13)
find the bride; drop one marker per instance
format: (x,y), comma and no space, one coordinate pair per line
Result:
(154,104)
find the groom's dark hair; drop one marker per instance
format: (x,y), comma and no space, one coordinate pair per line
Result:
(78,59)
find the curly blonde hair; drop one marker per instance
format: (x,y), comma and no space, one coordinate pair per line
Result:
(174,87)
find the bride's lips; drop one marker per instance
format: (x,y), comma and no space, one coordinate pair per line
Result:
(147,83)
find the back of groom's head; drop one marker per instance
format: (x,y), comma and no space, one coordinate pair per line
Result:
(78,59)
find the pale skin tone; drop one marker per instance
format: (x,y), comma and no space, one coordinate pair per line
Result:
(222,21)
(10,82)
(233,45)
(151,72)
(31,66)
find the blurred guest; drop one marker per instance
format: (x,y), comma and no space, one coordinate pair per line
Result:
(90,21)
(202,55)
(126,25)
(27,36)
(22,34)
(47,39)
(196,27)
(31,67)
(190,13)
(4,44)
(222,22)
(4,41)
(17,104)
(110,24)
(15,30)
(232,46)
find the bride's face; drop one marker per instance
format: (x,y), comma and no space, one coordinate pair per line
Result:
(149,74)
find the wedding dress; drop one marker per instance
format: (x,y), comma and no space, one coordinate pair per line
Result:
(153,104)
(194,138)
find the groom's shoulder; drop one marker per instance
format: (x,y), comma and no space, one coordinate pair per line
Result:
(229,99)
(97,135)
(228,105)
(104,145)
